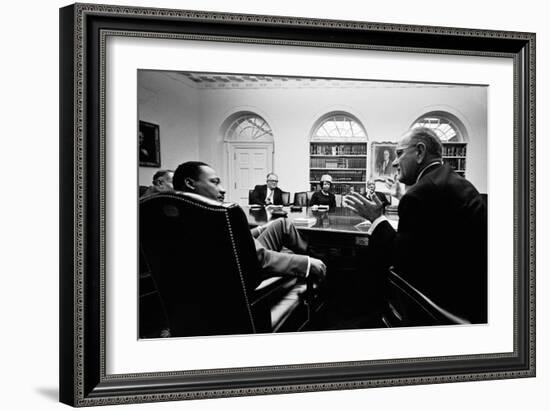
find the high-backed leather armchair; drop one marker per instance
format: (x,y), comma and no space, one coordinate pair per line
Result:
(408,306)
(203,260)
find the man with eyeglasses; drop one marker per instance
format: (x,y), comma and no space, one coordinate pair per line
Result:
(440,245)
(269,193)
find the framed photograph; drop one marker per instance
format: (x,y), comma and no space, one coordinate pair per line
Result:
(149,144)
(222,90)
(383,154)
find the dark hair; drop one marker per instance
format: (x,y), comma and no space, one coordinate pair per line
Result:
(189,169)
(159,174)
(427,136)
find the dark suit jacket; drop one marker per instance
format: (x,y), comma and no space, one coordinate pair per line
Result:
(441,242)
(259,193)
(319,198)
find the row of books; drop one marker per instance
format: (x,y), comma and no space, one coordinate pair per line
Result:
(456,163)
(331,149)
(338,163)
(450,150)
(342,188)
(339,175)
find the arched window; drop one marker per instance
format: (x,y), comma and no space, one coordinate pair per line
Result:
(338,148)
(452,134)
(249,127)
(338,127)
(445,128)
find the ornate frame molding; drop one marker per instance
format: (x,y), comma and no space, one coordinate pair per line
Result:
(82,143)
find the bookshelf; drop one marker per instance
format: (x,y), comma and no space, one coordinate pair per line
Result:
(454,154)
(345,161)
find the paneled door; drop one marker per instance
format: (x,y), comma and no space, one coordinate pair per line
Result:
(248,166)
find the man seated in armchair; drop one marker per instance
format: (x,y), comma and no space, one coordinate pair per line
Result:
(201,179)
(269,193)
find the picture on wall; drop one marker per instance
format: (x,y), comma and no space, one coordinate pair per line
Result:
(149,144)
(383,155)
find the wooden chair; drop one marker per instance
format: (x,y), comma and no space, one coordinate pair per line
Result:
(204,263)
(302,198)
(286,198)
(407,306)
(152,315)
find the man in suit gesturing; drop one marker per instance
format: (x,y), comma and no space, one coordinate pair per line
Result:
(440,245)
(269,193)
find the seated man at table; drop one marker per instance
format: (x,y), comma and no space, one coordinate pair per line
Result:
(371,193)
(199,178)
(162,182)
(440,245)
(269,193)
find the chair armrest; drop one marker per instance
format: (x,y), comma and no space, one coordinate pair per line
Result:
(272,289)
(438,313)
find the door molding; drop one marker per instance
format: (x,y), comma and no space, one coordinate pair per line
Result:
(229,159)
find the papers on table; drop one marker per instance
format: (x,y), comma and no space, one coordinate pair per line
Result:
(363,226)
(304,221)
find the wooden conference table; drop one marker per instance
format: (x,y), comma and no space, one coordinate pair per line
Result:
(340,221)
(340,239)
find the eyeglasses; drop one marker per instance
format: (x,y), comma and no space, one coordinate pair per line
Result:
(272,181)
(400,151)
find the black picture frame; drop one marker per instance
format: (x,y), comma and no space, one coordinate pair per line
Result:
(83,30)
(149,144)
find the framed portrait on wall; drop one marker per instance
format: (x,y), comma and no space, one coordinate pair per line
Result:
(383,155)
(149,144)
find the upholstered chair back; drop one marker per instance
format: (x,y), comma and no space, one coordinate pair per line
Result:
(203,260)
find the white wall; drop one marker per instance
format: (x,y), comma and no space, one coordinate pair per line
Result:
(386,112)
(174,107)
(29,210)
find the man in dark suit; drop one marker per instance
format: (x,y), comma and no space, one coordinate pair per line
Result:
(200,179)
(162,182)
(371,193)
(440,245)
(268,193)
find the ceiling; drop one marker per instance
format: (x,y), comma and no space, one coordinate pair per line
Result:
(203,80)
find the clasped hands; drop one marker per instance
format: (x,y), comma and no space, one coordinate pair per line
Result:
(368,209)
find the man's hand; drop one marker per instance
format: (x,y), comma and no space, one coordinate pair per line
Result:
(367,209)
(317,268)
(395,188)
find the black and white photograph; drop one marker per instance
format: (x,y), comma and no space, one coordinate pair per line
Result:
(264,254)
(264,219)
